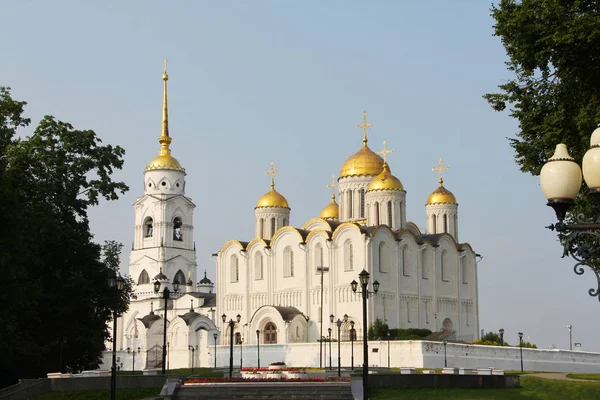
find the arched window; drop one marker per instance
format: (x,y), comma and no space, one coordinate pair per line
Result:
(288,259)
(376,205)
(238,338)
(179,278)
(445,222)
(177,229)
(348,256)
(144,278)
(272,226)
(362,203)
(405,266)
(433,223)
(285,222)
(235,269)
(318,256)
(389,210)
(455,227)
(444,266)
(425,264)
(148,227)
(350,213)
(258,266)
(270,333)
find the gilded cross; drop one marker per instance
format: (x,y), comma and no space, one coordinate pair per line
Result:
(165,63)
(332,185)
(385,151)
(272,172)
(365,125)
(441,169)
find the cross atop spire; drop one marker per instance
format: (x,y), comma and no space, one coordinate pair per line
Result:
(164,139)
(272,172)
(441,168)
(332,185)
(385,151)
(364,126)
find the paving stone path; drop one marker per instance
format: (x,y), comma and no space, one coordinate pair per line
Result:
(560,376)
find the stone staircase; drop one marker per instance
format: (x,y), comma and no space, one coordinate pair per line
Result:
(266,390)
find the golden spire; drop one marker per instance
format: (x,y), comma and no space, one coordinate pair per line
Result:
(272,172)
(441,169)
(332,185)
(364,126)
(165,139)
(385,152)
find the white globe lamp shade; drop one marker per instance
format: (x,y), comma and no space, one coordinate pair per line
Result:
(591,163)
(560,177)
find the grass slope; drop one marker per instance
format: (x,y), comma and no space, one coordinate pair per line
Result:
(122,394)
(531,388)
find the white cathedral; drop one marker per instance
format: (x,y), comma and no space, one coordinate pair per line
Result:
(286,282)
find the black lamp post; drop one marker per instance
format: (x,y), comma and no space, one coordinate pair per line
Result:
(388,348)
(215,335)
(231,325)
(364,283)
(133,353)
(258,348)
(119,283)
(560,179)
(329,339)
(445,359)
(570,328)
(339,326)
(166,294)
(501,336)
(322,270)
(352,334)
(521,347)
(193,350)
(241,355)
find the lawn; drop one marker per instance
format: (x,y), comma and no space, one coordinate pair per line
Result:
(593,377)
(531,388)
(202,372)
(122,394)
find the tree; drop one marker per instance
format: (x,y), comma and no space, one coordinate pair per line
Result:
(54,280)
(553,48)
(378,329)
(491,339)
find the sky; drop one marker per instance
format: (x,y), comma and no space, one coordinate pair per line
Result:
(260,81)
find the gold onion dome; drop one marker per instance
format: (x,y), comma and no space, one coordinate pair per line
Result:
(365,161)
(272,199)
(331,210)
(165,160)
(441,195)
(385,181)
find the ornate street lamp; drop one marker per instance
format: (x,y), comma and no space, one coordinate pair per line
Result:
(322,270)
(133,353)
(352,335)
(388,348)
(258,347)
(560,179)
(231,325)
(364,282)
(445,359)
(501,336)
(521,346)
(166,294)
(119,283)
(329,339)
(339,326)
(215,336)
(193,350)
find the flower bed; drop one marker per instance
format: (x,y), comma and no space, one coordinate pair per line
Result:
(281,379)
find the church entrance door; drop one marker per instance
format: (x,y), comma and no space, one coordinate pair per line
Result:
(270,333)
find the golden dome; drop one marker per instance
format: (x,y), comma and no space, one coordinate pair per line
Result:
(166,161)
(331,210)
(385,181)
(441,195)
(272,199)
(364,162)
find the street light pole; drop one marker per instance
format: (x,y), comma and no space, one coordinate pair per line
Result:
(352,333)
(445,359)
(570,327)
(258,347)
(132,352)
(215,335)
(241,355)
(231,325)
(329,339)
(501,336)
(521,347)
(388,348)
(364,283)
(118,283)
(322,270)
(339,326)
(166,293)
(192,349)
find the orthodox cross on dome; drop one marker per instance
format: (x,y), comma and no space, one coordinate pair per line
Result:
(385,151)
(332,185)
(272,172)
(165,63)
(364,126)
(441,169)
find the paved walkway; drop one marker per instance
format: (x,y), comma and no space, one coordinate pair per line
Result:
(560,376)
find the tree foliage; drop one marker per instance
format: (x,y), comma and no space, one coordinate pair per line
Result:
(54,277)
(553,49)
(378,330)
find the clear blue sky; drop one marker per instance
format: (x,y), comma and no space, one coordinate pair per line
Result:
(256,81)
